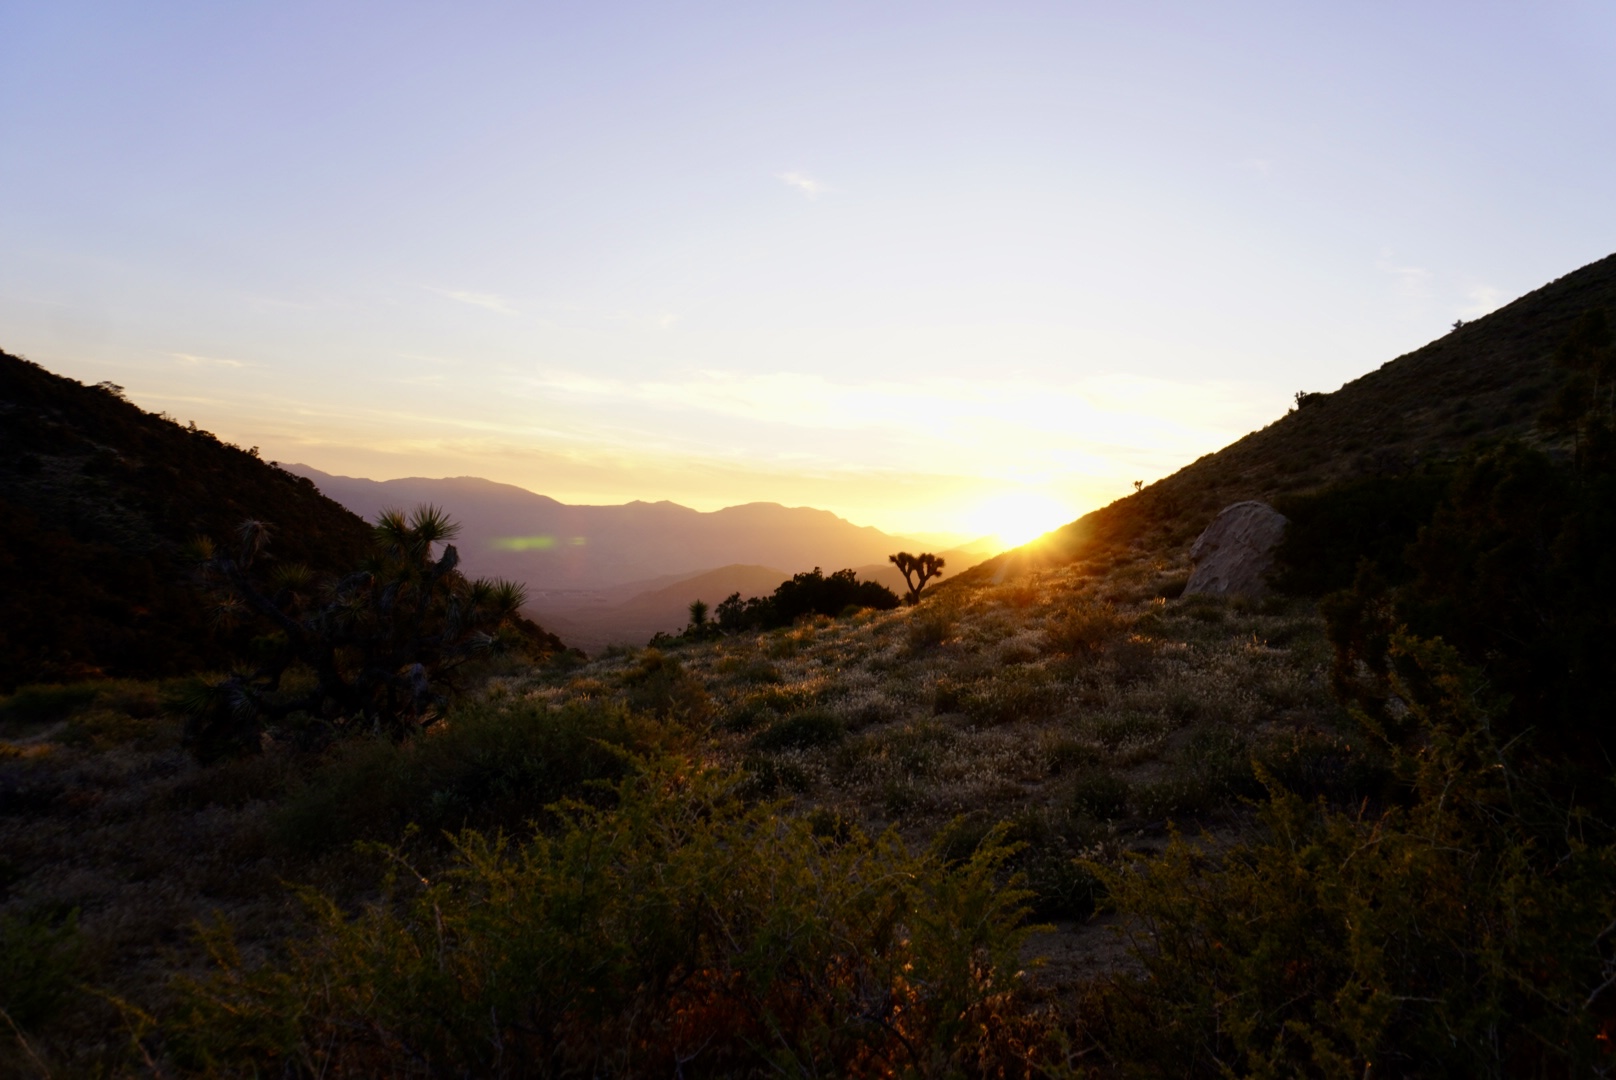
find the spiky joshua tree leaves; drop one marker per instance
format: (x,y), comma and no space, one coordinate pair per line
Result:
(376,650)
(916,570)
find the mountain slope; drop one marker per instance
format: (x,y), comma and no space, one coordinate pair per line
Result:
(99,498)
(1486,380)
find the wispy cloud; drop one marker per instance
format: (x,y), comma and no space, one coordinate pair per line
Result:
(1260,166)
(1483,299)
(1022,426)
(192,360)
(806,184)
(488,301)
(1412,281)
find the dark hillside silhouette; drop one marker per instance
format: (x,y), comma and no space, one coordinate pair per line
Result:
(100,497)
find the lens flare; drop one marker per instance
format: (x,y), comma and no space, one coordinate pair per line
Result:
(1017,517)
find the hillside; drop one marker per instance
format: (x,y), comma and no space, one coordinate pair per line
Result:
(1486,380)
(100,497)
(766,839)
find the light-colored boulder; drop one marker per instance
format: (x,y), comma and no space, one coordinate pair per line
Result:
(1236,551)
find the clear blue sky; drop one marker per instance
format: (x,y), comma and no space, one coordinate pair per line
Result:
(921,264)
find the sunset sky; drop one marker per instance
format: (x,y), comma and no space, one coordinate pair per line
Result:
(931,266)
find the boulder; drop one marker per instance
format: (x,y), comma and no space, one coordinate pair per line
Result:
(1235,552)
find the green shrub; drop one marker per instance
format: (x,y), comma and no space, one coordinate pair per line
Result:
(930,626)
(487,764)
(1059,886)
(1085,627)
(47,704)
(681,932)
(38,953)
(802,731)
(1444,935)
(1212,770)
(659,685)
(1101,794)
(1014,696)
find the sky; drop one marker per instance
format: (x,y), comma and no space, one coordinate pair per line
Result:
(939,268)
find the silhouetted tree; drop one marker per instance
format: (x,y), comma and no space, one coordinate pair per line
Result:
(808,593)
(916,570)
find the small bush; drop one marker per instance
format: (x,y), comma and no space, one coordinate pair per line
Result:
(38,953)
(929,627)
(659,685)
(1013,697)
(1100,794)
(948,695)
(487,764)
(47,704)
(804,730)
(1085,627)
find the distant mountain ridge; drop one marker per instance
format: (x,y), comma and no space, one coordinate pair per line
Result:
(511,532)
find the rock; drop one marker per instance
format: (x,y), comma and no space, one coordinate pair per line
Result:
(1235,552)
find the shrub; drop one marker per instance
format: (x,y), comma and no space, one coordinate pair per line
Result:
(930,627)
(680,932)
(1013,697)
(802,731)
(1444,935)
(659,685)
(490,765)
(1101,794)
(1085,627)
(47,704)
(38,952)
(1331,530)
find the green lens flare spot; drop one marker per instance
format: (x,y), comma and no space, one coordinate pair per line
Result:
(523,543)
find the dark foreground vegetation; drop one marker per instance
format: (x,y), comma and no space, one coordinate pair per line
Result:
(744,857)
(1066,823)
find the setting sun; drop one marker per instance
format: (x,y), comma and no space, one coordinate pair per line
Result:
(1019,516)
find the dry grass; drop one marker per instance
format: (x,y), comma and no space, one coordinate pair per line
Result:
(1078,706)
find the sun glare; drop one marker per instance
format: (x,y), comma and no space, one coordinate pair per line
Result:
(1017,517)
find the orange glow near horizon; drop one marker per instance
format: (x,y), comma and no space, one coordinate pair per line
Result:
(1017,517)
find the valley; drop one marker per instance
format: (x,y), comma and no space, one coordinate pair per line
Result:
(1058,818)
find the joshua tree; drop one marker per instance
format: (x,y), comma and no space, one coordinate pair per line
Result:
(698,614)
(916,570)
(381,644)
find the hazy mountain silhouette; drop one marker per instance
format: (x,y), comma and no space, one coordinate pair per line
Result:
(592,620)
(554,547)
(599,575)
